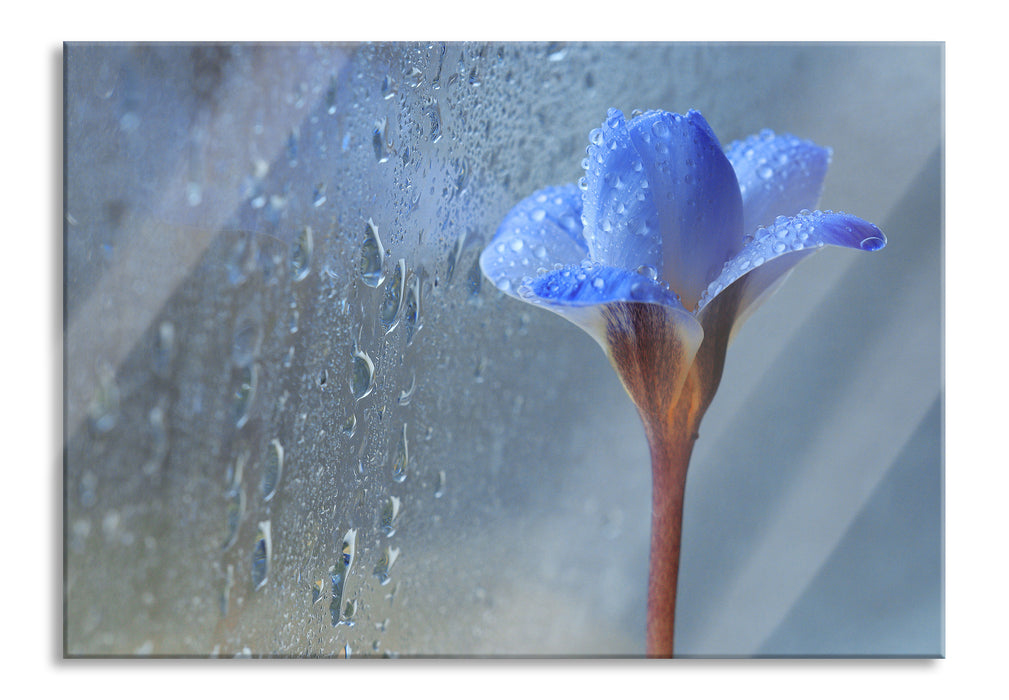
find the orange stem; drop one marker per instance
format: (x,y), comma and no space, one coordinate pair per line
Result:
(670,452)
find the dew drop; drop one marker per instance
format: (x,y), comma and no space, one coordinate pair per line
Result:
(234,514)
(273,469)
(362,375)
(385,564)
(439,488)
(393,302)
(401,461)
(412,305)
(261,552)
(390,511)
(349,611)
(872,243)
(434,115)
(244,380)
(454,254)
(319,195)
(378,141)
(372,256)
(338,575)
(301,254)
(765,172)
(407,394)
(556,51)
(350,425)
(388,88)
(648,271)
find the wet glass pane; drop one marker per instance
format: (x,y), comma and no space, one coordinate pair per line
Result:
(299,421)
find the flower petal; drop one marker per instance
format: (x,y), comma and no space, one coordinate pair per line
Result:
(587,284)
(775,250)
(647,334)
(696,196)
(621,222)
(580,292)
(778,175)
(541,231)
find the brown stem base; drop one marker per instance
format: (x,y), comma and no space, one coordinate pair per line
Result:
(670,451)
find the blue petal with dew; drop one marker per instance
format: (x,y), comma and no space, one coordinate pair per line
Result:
(621,221)
(779,175)
(804,232)
(589,284)
(695,194)
(540,232)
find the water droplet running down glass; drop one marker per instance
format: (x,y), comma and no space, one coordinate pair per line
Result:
(385,564)
(244,381)
(261,553)
(301,254)
(390,511)
(272,469)
(393,302)
(362,375)
(412,305)
(234,515)
(401,461)
(338,574)
(378,141)
(372,256)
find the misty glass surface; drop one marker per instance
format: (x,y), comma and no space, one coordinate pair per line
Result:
(298,422)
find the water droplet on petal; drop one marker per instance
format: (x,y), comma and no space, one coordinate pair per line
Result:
(648,271)
(872,243)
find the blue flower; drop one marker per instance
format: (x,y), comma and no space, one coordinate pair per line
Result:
(660,252)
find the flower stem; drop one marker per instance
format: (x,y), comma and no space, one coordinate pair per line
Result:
(670,452)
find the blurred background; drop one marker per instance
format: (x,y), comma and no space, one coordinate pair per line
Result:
(266,454)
